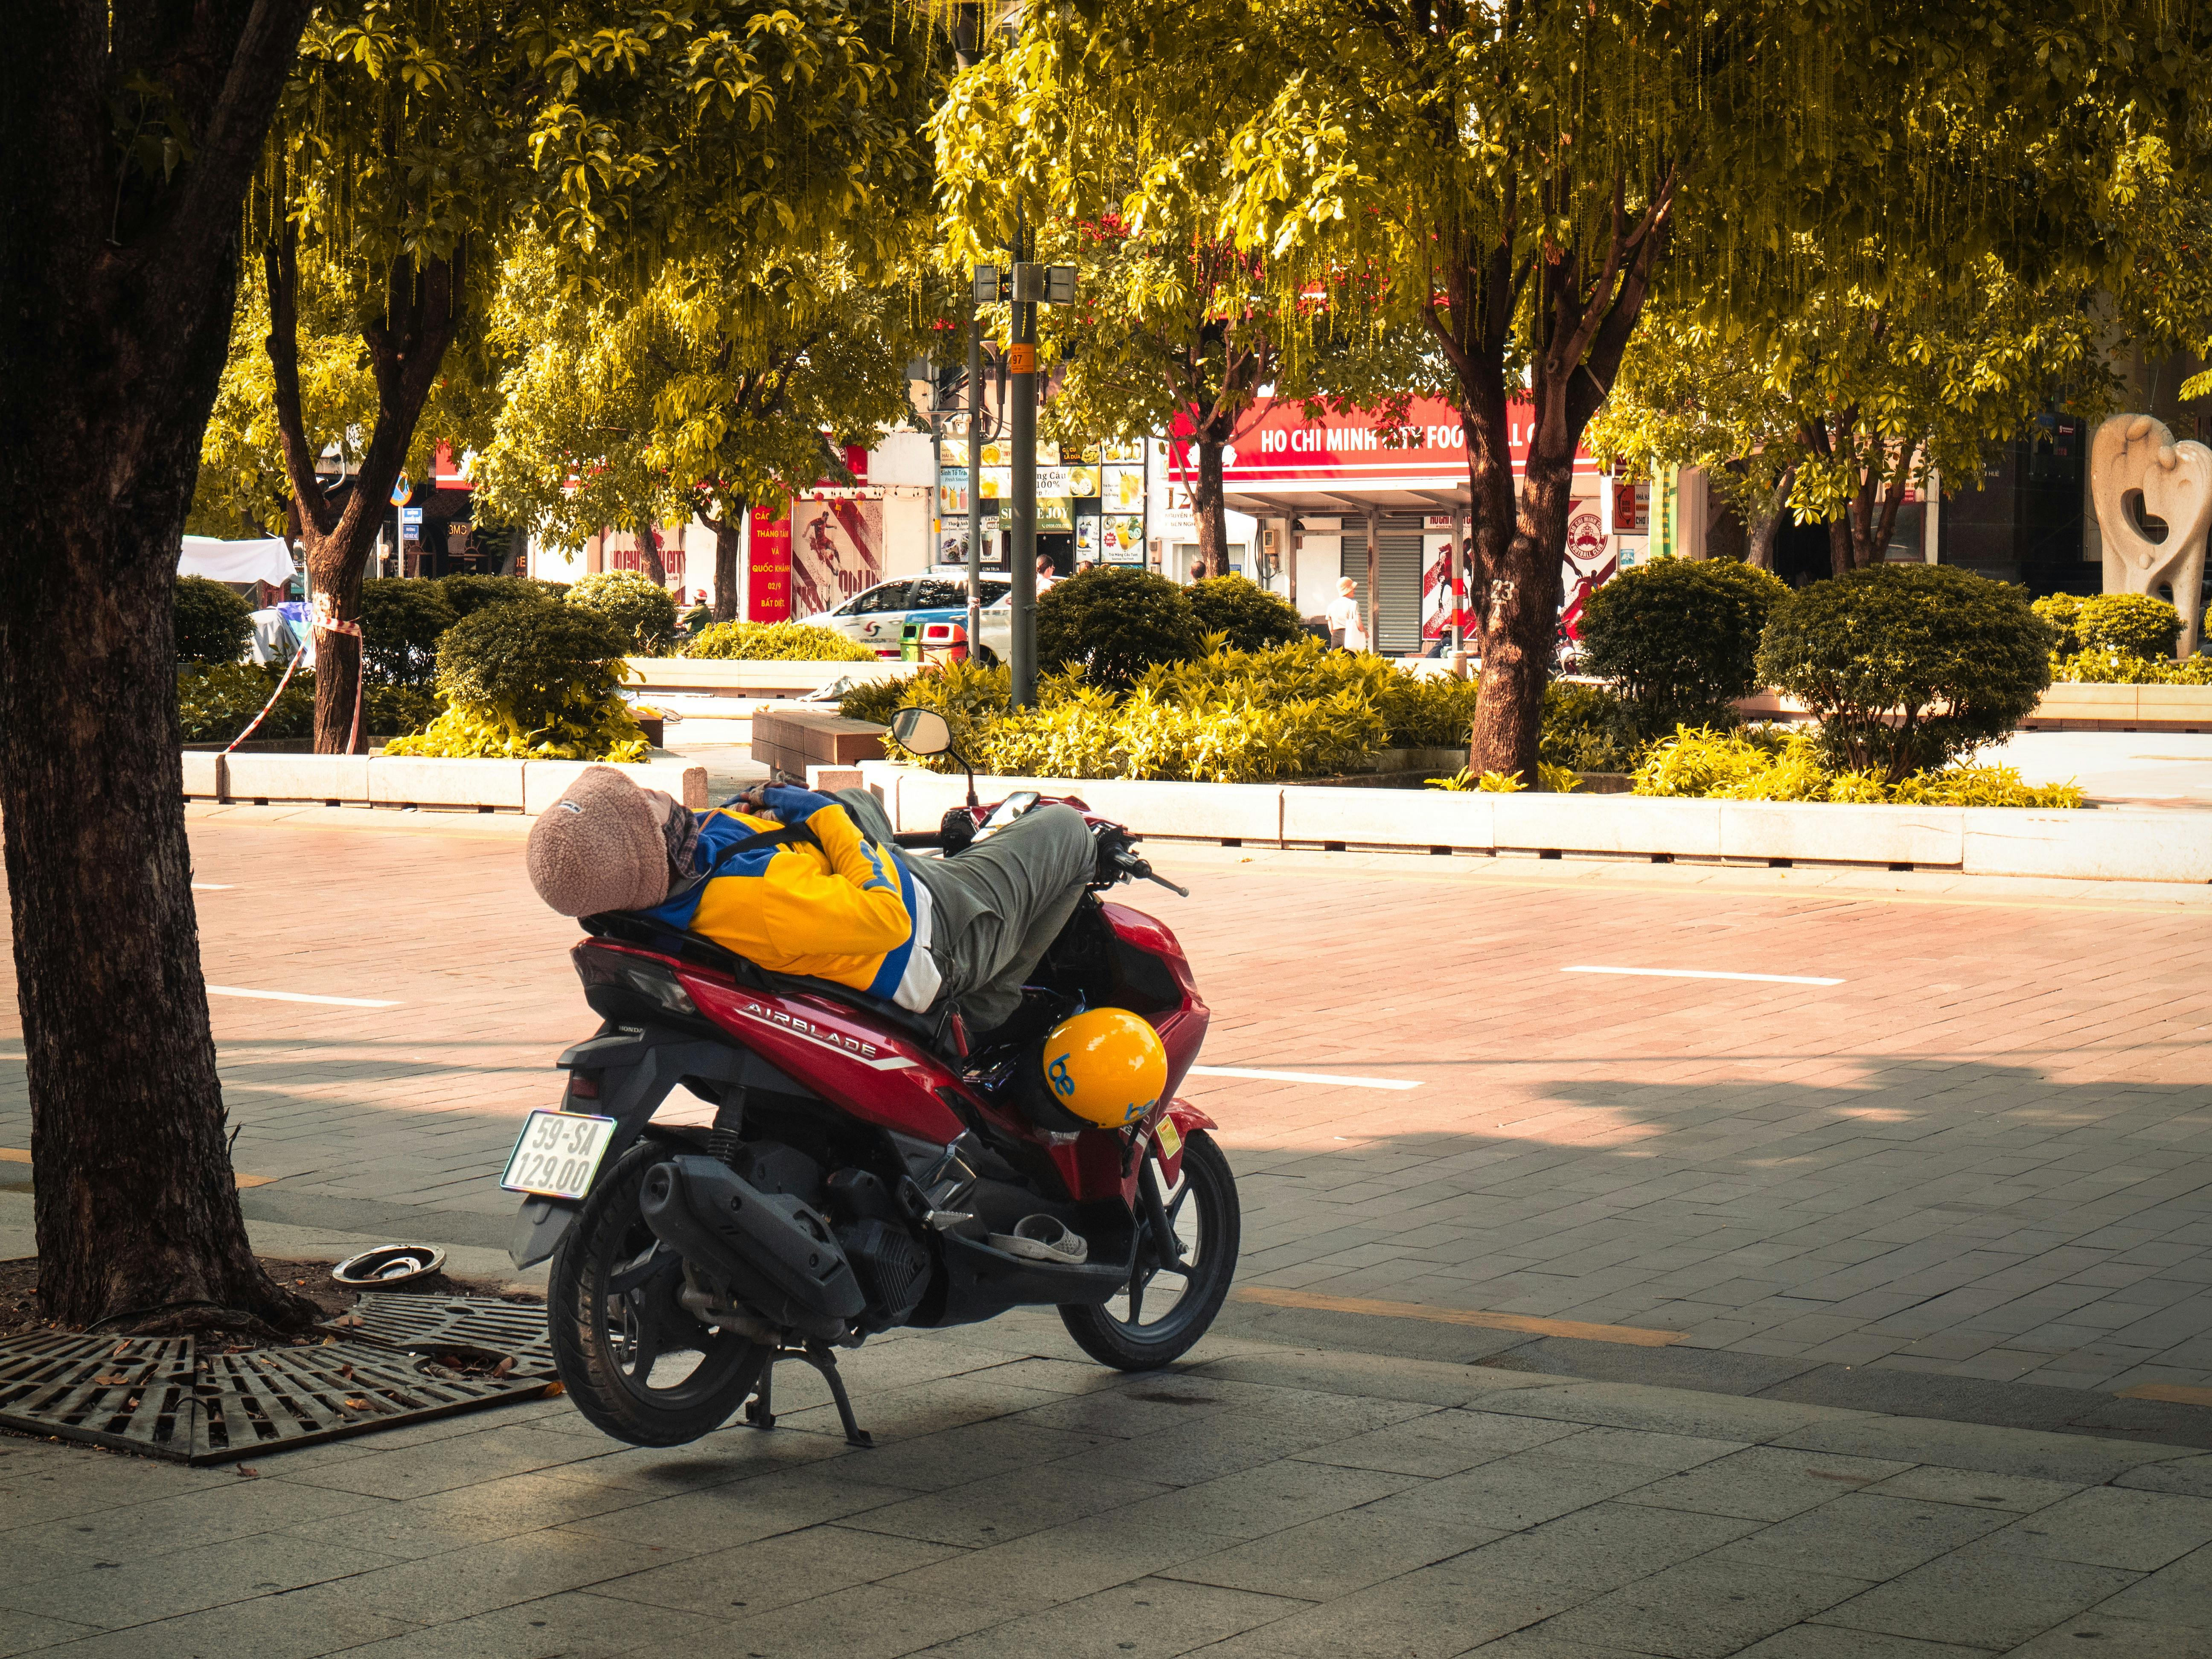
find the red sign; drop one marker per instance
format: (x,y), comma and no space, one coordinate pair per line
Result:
(768,571)
(1359,446)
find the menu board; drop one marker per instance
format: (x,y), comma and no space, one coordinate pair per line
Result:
(1124,538)
(952,493)
(1124,452)
(1122,489)
(998,481)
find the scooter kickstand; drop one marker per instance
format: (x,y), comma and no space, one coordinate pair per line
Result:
(759,1414)
(826,1363)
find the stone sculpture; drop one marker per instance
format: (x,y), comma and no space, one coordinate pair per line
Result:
(2137,473)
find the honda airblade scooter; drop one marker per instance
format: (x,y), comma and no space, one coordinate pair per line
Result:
(864,1171)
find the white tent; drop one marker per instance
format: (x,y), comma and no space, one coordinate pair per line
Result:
(267,560)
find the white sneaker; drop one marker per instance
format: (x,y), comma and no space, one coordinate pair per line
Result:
(1042,1238)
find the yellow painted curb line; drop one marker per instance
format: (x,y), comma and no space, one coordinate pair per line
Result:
(1576,1329)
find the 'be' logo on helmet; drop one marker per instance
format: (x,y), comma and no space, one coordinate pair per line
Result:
(1062,1084)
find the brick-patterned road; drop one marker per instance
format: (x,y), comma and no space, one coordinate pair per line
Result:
(1983,1154)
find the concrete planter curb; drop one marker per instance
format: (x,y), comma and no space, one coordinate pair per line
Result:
(486,785)
(2083,845)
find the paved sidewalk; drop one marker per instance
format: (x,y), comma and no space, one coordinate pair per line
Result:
(1264,1502)
(1982,1156)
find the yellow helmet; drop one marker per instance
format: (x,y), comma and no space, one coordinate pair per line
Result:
(1105,1066)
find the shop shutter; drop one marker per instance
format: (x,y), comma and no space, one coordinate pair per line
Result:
(1398,568)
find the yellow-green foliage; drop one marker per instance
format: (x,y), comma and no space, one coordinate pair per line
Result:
(2112,667)
(783,641)
(970,697)
(590,727)
(1556,780)
(1765,764)
(1232,717)
(1082,732)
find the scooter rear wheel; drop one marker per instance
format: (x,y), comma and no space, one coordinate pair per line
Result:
(630,1355)
(1163,1312)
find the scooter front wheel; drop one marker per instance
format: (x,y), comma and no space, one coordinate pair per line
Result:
(1165,1309)
(629,1353)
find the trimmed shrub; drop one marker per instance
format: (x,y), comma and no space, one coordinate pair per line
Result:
(469,593)
(2063,612)
(1583,729)
(1247,616)
(1680,639)
(535,681)
(2133,624)
(783,641)
(1427,711)
(401,618)
(640,607)
(1908,666)
(2103,626)
(212,622)
(1114,623)
(214,701)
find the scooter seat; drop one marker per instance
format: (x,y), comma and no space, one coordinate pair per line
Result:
(928,1029)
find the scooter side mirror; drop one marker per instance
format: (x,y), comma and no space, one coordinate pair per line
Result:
(926,732)
(922,731)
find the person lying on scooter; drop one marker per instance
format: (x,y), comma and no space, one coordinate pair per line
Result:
(809,883)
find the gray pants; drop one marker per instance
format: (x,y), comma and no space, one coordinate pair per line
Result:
(997,907)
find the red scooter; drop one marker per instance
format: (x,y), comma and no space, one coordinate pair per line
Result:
(864,1171)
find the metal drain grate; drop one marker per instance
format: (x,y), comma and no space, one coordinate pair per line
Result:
(158,1396)
(482,1324)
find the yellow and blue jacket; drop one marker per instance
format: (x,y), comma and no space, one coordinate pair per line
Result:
(833,907)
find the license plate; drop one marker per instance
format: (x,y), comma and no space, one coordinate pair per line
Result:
(557,1153)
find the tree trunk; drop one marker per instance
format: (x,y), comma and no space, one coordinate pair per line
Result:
(1207,513)
(1759,549)
(1584,321)
(405,347)
(648,551)
(729,536)
(120,296)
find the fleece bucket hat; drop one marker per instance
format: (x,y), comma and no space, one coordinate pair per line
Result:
(601,846)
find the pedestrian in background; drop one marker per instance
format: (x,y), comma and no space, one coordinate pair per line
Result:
(1346,630)
(1045,577)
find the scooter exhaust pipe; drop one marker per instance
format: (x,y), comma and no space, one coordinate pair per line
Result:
(774,1253)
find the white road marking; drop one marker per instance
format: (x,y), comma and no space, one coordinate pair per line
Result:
(296,996)
(1304,1077)
(213,886)
(1700,972)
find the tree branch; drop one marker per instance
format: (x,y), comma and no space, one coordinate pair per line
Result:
(280,263)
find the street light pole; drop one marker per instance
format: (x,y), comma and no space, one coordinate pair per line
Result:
(974,477)
(967,38)
(1021,364)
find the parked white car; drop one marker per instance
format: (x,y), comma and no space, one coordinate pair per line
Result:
(877,617)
